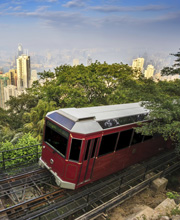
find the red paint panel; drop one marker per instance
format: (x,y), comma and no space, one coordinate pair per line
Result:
(58,161)
(120,160)
(123,158)
(102,166)
(71,172)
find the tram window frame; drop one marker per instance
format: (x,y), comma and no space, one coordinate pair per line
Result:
(61,143)
(121,146)
(105,144)
(73,150)
(94,145)
(88,143)
(135,134)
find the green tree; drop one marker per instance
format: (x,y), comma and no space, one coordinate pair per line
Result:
(17,106)
(25,154)
(175,69)
(164,119)
(164,115)
(34,120)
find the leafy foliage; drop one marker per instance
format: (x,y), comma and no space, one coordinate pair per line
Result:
(164,109)
(10,157)
(175,69)
(97,84)
(36,118)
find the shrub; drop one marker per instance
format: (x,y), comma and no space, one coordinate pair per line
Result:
(24,151)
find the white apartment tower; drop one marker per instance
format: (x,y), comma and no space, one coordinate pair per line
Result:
(149,71)
(138,64)
(75,62)
(23,72)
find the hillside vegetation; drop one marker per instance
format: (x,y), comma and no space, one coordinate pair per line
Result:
(97,84)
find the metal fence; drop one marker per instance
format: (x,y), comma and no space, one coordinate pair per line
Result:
(20,156)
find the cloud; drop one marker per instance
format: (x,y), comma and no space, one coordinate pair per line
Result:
(74,4)
(67,20)
(2,6)
(111,9)
(52,0)
(41,9)
(17,2)
(17,8)
(54,18)
(48,1)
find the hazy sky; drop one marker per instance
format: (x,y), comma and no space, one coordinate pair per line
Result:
(103,26)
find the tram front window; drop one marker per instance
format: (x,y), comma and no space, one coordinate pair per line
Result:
(56,137)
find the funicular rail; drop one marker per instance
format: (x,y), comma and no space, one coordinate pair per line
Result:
(93,199)
(14,178)
(14,190)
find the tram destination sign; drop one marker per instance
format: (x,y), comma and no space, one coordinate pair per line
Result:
(110,123)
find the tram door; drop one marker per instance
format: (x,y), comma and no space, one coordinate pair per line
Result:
(89,159)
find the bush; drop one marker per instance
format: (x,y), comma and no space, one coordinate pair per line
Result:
(25,151)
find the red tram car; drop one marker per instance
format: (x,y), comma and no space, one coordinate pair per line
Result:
(81,145)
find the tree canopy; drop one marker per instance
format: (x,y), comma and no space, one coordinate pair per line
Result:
(164,113)
(83,86)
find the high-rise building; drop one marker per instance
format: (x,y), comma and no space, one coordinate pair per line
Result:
(23,72)
(4,81)
(149,71)
(89,61)
(138,64)
(34,77)
(75,62)
(20,50)
(9,91)
(12,75)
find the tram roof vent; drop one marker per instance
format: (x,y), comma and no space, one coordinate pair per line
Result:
(76,114)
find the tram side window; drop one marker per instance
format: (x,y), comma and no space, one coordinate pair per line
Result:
(56,140)
(75,149)
(108,143)
(137,138)
(124,139)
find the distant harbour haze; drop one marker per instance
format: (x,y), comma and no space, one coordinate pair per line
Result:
(111,31)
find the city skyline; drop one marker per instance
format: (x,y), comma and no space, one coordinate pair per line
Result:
(108,31)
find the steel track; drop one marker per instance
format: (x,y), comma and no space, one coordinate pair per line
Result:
(15,188)
(95,198)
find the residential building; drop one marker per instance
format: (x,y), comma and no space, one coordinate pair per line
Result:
(75,62)
(138,64)
(12,75)
(149,72)
(34,77)
(4,81)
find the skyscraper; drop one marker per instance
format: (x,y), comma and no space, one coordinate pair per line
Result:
(20,50)
(89,61)
(138,64)
(23,72)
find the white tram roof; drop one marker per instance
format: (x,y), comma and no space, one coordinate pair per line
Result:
(93,119)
